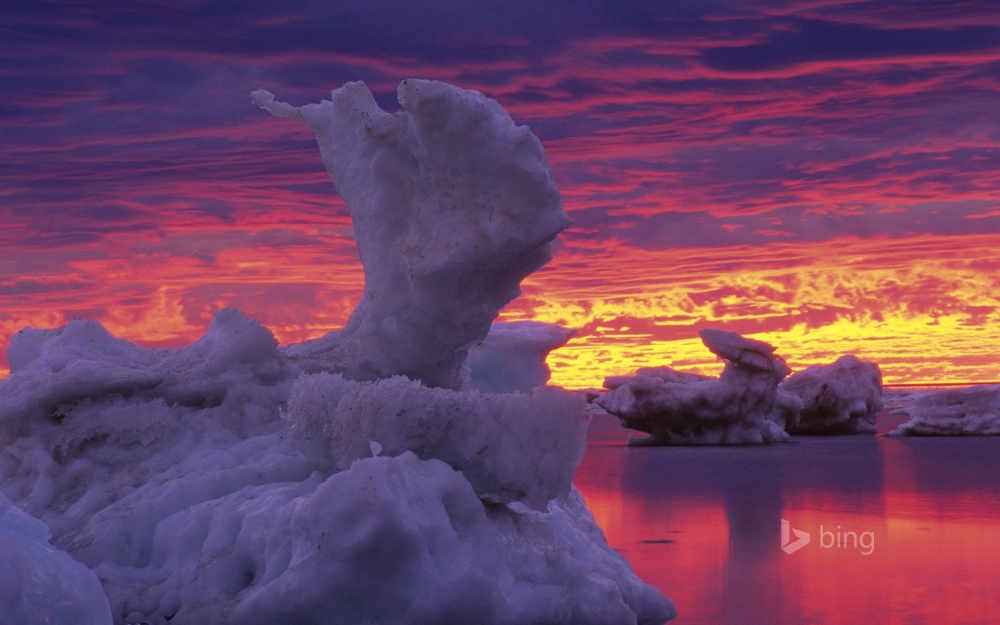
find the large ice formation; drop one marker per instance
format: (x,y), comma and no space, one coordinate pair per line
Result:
(678,408)
(512,357)
(971,411)
(844,397)
(40,584)
(452,205)
(233,482)
(510,447)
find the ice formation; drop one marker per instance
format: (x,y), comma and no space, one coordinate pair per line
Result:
(972,411)
(510,447)
(40,584)
(53,371)
(678,408)
(234,482)
(844,397)
(452,205)
(512,357)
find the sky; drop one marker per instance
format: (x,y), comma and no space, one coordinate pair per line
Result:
(819,175)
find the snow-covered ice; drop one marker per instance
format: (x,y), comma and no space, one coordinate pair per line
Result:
(40,584)
(53,371)
(510,447)
(844,397)
(232,481)
(452,205)
(970,411)
(512,356)
(198,502)
(678,408)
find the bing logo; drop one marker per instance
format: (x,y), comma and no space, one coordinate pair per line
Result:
(801,538)
(865,541)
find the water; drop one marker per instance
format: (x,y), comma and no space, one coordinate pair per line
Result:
(702,524)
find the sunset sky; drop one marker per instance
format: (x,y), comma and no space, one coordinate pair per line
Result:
(824,176)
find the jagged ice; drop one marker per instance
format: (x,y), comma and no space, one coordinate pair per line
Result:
(346,479)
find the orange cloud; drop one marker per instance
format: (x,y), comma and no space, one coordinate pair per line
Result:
(926,308)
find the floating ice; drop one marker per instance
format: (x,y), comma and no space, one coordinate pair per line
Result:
(212,513)
(973,411)
(678,408)
(201,489)
(452,205)
(39,584)
(844,397)
(512,357)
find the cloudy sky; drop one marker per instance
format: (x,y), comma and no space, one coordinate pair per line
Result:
(822,175)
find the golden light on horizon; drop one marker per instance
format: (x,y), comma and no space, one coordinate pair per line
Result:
(926,309)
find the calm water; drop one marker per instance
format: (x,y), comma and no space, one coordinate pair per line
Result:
(702,524)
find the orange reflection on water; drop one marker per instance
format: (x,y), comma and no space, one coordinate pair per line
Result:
(703,526)
(921,570)
(681,550)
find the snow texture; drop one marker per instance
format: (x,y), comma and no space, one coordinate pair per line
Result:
(219,512)
(512,357)
(511,447)
(971,411)
(39,584)
(53,369)
(844,397)
(452,205)
(678,408)
(231,482)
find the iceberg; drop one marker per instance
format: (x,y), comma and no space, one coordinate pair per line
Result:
(844,397)
(345,479)
(512,356)
(972,411)
(452,204)
(678,408)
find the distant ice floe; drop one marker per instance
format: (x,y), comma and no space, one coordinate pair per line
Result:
(971,411)
(678,408)
(844,397)
(235,482)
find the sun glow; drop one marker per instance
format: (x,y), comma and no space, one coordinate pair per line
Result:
(926,309)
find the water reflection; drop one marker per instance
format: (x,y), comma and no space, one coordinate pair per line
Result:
(702,524)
